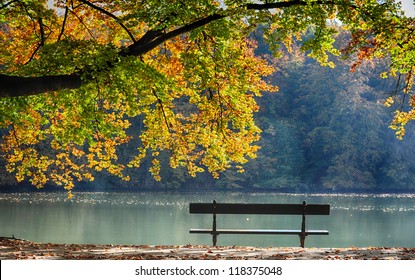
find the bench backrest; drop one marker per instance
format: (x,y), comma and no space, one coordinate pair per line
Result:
(257,208)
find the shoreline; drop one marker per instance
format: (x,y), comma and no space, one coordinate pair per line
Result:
(12,249)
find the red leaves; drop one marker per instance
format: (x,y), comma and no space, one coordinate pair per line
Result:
(365,50)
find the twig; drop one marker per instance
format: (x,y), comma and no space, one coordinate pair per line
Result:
(162,110)
(81,21)
(110,15)
(63,23)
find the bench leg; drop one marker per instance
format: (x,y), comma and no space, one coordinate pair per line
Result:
(214,234)
(302,234)
(302,240)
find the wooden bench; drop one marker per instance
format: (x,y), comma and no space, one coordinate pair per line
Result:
(269,209)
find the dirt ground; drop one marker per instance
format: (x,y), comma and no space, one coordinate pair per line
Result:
(11,248)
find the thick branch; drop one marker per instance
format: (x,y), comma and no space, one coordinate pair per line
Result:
(13,86)
(152,38)
(155,38)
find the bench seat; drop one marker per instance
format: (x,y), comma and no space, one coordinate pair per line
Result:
(261,231)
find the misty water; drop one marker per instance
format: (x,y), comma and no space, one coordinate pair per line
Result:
(164,219)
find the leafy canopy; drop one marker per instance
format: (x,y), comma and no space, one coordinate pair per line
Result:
(79,79)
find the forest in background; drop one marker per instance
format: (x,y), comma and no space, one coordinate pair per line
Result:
(326,130)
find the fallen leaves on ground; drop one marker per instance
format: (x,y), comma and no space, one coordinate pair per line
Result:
(12,248)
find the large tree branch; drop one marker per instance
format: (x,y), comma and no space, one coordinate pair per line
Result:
(153,38)
(12,86)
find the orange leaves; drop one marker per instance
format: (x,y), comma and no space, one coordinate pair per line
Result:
(192,98)
(31,31)
(115,120)
(155,169)
(365,52)
(412,101)
(216,127)
(46,143)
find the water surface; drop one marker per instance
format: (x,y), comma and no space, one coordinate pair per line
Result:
(164,219)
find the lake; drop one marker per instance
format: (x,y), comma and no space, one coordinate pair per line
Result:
(164,219)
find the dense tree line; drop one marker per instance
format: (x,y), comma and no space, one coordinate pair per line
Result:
(325,130)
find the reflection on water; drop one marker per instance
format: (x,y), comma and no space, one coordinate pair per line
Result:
(155,218)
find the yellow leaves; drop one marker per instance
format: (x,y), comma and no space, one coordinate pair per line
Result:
(400,120)
(114,119)
(19,177)
(389,101)
(14,157)
(219,129)
(27,163)
(155,169)
(240,169)
(400,131)
(384,75)
(70,195)
(193,169)
(194,99)
(135,163)
(41,154)
(77,152)
(38,180)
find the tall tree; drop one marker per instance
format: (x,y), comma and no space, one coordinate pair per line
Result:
(75,72)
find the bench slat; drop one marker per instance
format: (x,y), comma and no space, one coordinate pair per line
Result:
(240,208)
(260,231)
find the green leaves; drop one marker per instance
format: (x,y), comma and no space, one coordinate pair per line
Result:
(184,72)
